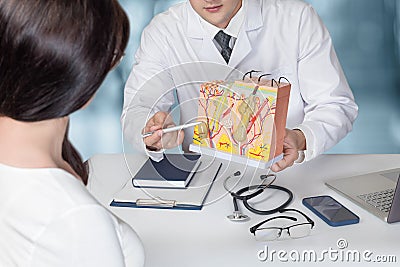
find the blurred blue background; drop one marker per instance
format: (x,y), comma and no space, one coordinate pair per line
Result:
(366,34)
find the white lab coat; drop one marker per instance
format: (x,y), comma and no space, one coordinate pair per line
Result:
(281,37)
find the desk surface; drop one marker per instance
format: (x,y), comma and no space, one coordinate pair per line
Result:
(208,238)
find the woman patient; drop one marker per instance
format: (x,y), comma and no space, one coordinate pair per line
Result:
(53,57)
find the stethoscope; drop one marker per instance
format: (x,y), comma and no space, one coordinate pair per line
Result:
(267,180)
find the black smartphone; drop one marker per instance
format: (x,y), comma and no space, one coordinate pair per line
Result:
(330,210)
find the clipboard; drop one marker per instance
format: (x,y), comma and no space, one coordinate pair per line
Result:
(193,198)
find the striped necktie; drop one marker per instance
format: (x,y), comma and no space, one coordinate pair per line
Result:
(223,40)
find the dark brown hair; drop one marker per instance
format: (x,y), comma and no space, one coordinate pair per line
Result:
(54,55)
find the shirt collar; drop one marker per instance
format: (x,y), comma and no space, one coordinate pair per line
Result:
(233,27)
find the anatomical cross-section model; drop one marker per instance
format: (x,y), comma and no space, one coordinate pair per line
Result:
(243,121)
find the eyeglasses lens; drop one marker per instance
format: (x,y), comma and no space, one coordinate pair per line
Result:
(267,234)
(301,230)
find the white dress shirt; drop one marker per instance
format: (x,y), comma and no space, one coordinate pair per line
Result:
(48,218)
(284,38)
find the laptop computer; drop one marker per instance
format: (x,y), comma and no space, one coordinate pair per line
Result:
(378,192)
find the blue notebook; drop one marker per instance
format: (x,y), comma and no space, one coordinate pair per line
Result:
(173,171)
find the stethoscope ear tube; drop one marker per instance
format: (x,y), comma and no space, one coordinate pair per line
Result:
(237,195)
(268,212)
(245,199)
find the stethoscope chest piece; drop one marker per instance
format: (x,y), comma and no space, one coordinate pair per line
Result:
(238,217)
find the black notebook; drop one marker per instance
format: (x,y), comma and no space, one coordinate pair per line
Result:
(173,171)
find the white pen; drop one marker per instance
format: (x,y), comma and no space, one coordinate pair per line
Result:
(171,129)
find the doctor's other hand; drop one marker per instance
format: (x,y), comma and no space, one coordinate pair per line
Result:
(159,140)
(294,142)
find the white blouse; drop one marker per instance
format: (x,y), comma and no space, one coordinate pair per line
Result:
(48,218)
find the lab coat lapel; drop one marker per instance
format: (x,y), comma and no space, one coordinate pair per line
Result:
(253,21)
(241,50)
(209,52)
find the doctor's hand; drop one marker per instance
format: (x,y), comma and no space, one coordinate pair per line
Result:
(159,140)
(294,142)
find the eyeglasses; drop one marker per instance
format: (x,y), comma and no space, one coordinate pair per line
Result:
(297,230)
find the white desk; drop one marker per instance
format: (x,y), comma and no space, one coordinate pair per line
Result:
(208,238)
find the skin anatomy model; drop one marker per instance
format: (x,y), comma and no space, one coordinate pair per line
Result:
(242,120)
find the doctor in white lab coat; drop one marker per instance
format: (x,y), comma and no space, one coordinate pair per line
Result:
(280,37)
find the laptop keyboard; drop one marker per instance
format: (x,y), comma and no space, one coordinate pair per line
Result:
(381,200)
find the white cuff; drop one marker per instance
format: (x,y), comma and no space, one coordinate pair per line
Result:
(310,140)
(155,155)
(301,157)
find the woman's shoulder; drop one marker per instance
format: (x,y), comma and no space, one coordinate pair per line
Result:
(39,196)
(61,216)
